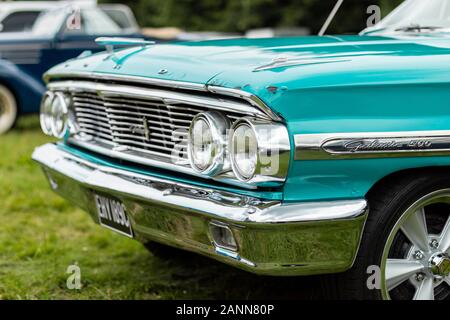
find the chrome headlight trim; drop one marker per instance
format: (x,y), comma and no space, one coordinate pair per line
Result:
(60,110)
(218,126)
(45,115)
(273,150)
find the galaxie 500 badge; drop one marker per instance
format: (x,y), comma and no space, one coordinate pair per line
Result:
(372,145)
(376,145)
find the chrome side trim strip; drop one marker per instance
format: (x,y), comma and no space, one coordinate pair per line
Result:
(372,145)
(216,204)
(252,99)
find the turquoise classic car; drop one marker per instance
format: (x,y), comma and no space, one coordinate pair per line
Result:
(283,157)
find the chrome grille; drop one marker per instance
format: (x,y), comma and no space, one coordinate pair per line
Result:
(152,126)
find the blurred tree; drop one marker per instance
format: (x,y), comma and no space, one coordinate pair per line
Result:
(240,15)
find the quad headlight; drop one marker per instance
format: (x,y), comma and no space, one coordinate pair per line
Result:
(46,113)
(259,150)
(54,114)
(207,143)
(254,151)
(244,150)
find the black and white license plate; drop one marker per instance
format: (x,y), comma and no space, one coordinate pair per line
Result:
(112,215)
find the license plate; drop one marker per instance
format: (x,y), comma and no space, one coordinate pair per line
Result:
(112,215)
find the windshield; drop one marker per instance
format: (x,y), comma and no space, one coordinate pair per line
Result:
(93,21)
(417,15)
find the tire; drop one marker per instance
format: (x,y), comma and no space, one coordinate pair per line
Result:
(165,252)
(394,209)
(8,110)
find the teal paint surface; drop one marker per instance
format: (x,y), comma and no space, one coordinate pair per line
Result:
(336,84)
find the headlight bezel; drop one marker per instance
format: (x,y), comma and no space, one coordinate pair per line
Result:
(45,115)
(54,113)
(273,147)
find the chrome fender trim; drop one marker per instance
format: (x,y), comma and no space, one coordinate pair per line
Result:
(372,145)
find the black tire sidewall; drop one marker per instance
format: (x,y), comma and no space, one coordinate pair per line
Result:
(386,209)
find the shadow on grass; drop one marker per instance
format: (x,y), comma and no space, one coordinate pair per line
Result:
(204,278)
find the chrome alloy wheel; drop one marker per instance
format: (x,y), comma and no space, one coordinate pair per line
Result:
(416,257)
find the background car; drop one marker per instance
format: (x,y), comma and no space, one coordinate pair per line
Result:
(20,16)
(58,34)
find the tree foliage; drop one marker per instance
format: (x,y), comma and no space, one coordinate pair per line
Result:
(241,15)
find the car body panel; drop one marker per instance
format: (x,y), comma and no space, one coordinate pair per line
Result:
(328,85)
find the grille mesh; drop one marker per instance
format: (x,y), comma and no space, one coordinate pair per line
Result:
(151,126)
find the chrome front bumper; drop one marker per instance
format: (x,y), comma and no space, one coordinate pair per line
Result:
(272,237)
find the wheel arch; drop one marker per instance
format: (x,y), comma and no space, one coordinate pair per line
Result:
(398,175)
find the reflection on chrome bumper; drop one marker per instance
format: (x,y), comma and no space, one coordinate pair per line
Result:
(271,237)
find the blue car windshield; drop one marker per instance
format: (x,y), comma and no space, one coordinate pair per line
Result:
(416,15)
(90,21)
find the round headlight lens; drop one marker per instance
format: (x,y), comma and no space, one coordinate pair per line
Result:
(244,151)
(59,115)
(201,145)
(207,139)
(46,113)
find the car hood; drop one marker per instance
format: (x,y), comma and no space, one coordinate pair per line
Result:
(269,68)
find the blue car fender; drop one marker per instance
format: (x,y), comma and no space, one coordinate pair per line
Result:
(27,90)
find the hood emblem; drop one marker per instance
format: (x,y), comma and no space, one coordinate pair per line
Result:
(143,129)
(110,42)
(146,129)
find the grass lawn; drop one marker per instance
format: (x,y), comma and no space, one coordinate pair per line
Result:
(41,235)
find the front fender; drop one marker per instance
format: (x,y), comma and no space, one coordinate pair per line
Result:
(384,112)
(27,90)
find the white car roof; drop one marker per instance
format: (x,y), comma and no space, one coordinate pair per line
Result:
(42,5)
(6,8)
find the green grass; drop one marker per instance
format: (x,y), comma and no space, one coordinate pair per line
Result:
(41,235)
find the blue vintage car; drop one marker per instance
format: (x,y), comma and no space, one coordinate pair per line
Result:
(283,157)
(58,34)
